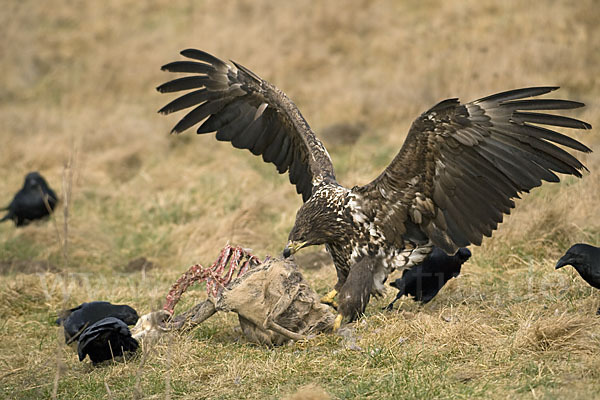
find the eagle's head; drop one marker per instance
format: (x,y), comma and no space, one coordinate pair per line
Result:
(318,221)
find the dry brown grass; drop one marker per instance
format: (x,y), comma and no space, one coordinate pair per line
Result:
(78,83)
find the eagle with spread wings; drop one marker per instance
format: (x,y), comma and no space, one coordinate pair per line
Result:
(456,175)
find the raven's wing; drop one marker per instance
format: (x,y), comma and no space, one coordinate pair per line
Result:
(99,333)
(462,165)
(251,114)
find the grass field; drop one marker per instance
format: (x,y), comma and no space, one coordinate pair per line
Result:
(78,104)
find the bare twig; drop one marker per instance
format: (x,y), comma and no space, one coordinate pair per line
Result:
(110,395)
(58,367)
(49,209)
(112,355)
(137,389)
(67,190)
(13,371)
(66,186)
(169,365)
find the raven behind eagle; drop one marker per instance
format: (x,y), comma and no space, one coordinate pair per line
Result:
(454,178)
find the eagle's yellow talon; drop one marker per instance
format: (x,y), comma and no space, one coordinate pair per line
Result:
(329,298)
(338,322)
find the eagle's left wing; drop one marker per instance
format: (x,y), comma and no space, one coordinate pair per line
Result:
(249,112)
(462,165)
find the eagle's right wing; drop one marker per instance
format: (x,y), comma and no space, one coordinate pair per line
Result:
(462,165)
(251,114)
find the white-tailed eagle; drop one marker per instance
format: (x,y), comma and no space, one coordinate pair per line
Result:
(458,172)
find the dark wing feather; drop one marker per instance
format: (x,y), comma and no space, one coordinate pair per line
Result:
(462,165)
(251,114)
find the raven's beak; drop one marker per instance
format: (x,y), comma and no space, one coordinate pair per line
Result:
(564,260)
(292,247)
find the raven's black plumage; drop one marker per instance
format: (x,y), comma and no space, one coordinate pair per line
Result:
(456,176)
(585,258)
(105,339)
(35,200)
(425,280)
(77,319)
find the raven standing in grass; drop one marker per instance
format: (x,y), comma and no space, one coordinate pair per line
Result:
(424,281)
(77,319)
(585,259)
(106,339)
(34,201)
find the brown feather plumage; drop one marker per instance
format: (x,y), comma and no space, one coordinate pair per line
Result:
(451,183)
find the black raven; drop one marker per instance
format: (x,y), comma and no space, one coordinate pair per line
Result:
(108,338)
(77,319)
(34,201)
(424,281)
(585,259)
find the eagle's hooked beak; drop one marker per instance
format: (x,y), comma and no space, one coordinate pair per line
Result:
(292,247)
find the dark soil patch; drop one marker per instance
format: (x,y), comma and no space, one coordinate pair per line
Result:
(8,267)
(342,134)
(138,264)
